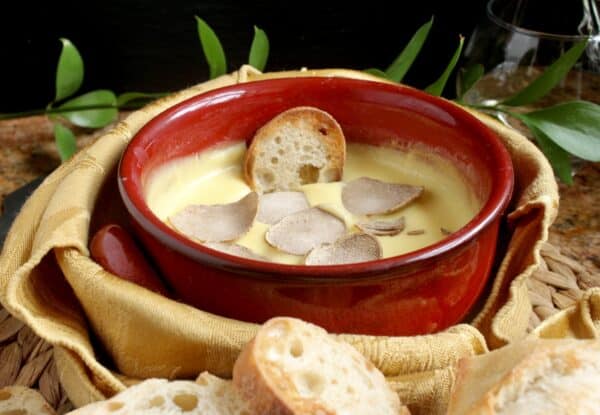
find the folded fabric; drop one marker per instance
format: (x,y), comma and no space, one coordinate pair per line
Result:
(109,332)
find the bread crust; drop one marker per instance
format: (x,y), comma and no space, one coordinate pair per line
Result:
(268,387)
(256,388)
(325,128)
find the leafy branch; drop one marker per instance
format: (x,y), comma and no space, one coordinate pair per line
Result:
(560,130)
(563,129)
(99,108)
(94,109)
(566,128)
(215,55)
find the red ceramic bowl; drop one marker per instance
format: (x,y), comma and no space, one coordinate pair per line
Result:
(419,292)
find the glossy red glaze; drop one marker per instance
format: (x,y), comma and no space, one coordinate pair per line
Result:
(420,292)
(114,249)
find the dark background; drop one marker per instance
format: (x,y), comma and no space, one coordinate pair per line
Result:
(150,46)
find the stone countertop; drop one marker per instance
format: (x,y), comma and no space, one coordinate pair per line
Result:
(27,151)
(576,231)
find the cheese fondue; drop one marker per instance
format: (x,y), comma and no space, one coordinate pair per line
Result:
(215,177)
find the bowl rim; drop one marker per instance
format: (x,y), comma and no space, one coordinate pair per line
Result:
(493,208)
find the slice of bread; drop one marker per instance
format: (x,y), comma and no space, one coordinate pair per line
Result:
(530,377)
(19,400)
(299,146)
(209,395)
(294,367)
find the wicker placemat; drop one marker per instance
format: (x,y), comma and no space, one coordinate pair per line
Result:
(558,283)
(27,359)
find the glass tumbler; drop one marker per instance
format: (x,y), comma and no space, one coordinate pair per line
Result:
(520,38)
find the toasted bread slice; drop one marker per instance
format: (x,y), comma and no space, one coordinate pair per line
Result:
(209,395)
(299,146)
(19,400)
(294,367)
(530,377)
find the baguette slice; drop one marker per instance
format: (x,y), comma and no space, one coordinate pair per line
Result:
(294,367)
(19,400)
(299,146)
(530,377)
(209,395)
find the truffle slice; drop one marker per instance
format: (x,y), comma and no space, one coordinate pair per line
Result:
(235,249)
(300,232)
(358,247)
(272,207)
(416,232)
(445,231)
(383,227)
(365,196)
(217,223)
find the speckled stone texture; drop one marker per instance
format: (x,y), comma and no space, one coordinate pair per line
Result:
(576,231)
(27,150)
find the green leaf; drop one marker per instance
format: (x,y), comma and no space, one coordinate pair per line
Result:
(574,126)
(259,50)
(213,51)
(376,72)
(438,86)
(404,61)
(549,79)
(134,97)
(467,77)
(65,141)
(69,72)
(91,117)
(558,158)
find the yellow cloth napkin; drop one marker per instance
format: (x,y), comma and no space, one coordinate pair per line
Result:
(108,332)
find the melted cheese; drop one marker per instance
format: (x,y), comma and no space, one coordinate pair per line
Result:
(215,177)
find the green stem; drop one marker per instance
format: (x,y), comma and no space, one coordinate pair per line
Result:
(129,104)
(49,111)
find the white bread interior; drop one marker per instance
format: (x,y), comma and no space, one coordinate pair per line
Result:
(294,367)
(530,377)
(19,400)
(209,395)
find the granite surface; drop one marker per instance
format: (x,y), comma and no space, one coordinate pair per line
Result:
(27,151)
(576,231)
